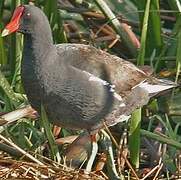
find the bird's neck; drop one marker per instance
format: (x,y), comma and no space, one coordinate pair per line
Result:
(39,53)
(37,45)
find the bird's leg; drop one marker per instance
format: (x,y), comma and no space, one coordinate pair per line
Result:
(93,153)
(107,143)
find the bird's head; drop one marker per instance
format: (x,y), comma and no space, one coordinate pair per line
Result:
(25,19)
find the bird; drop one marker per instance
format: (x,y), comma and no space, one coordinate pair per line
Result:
(80,86)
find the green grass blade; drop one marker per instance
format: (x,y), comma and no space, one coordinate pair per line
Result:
(53,147)
(134,137)
(155,33)
(117,26)
(162,139)
(175,6)
(51,10)
(13,43)
(141,54)
(4,84)
(178,53)
(154,40)
(16,80)
(1,9)
(3,58)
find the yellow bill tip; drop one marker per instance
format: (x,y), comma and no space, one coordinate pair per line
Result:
(5,32)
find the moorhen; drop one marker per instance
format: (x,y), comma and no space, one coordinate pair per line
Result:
(77,84)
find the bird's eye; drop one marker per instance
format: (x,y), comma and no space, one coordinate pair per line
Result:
(28,14)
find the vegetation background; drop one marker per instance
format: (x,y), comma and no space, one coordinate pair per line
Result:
(145,32)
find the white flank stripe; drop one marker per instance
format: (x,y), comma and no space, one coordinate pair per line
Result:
(96,79)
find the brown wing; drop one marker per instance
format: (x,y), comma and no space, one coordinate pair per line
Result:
(123,74)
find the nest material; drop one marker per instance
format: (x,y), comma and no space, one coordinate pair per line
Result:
(12,169)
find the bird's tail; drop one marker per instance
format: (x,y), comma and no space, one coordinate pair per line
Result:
(154,86)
